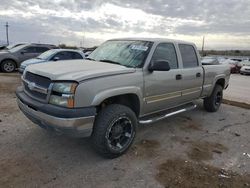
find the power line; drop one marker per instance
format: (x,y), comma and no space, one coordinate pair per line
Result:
(7,32)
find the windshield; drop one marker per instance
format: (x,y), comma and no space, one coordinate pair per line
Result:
(46,54)
(15,49)
(126,53)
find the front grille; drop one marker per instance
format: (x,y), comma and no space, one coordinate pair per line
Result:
(34,94)
(38,80)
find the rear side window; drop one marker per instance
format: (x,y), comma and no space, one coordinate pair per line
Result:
(63,55)
(30,49)
(166,51)
(41,49)
(188,55)
(76,55)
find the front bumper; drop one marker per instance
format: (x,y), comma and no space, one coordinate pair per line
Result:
(245,71)
(78,126)
(21,70)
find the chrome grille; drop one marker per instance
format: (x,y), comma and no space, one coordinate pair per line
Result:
(36,86)
(39,80)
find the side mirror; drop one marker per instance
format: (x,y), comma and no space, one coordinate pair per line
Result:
(56,58)
(159,65)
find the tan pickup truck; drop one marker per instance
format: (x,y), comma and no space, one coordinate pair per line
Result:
(123,83)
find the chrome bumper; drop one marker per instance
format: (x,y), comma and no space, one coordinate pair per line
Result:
(76,127)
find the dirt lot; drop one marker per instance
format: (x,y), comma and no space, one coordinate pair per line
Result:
(194,149)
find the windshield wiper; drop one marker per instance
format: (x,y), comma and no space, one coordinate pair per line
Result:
(110,61)
(88,58)
(113,62)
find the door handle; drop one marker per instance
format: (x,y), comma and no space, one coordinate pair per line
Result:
(198,74)
(178,77)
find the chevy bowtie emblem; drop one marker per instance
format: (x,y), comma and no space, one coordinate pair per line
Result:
(31,85)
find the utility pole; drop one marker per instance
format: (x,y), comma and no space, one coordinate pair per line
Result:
(203,43)
(7,32)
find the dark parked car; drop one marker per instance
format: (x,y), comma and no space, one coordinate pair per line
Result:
(52,56)
(11,59)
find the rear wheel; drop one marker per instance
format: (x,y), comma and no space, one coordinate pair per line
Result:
(213,102)
(8,66)
(114,130)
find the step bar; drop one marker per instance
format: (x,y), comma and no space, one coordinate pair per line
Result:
(159,118)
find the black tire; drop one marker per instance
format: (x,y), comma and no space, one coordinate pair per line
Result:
(111,121)
(213,102)
(8,66)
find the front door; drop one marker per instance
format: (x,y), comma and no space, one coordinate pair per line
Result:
(162,88)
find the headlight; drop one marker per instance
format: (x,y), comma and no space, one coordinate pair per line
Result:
(66,87)
(63,94)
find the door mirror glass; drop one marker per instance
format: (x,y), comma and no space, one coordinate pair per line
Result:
(159,65)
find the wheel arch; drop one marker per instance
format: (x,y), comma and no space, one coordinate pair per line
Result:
(130,100)
(221,82)
(10,59)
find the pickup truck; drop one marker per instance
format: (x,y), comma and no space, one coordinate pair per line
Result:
(123,83)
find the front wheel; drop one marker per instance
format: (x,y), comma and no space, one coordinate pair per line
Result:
(8,66)
(213,102)
(114,130)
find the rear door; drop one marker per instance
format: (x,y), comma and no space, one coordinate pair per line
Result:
(162,89)
(28,53)
(191,73)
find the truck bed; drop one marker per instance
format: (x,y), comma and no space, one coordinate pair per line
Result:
(210,73)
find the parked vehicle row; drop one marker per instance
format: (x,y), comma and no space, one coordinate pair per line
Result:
(11,59)
(53,55)
(21,55)
(236,65)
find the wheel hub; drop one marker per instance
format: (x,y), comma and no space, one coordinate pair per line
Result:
(9,67)
(117,131)
(120,134)
(218,98)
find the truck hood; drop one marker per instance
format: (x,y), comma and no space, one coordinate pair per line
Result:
(77,70)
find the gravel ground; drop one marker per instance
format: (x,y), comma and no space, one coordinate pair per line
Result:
(193,149)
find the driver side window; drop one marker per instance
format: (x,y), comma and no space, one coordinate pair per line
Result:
(166,51)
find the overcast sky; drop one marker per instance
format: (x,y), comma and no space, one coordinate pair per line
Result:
(224,23)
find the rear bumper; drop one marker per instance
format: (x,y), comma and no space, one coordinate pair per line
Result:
(78,126)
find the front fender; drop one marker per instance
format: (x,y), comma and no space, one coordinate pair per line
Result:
(100,97)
